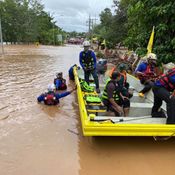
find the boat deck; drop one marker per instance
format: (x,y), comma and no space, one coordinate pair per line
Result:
(139,106)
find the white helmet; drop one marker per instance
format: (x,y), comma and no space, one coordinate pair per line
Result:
(86,44)
(169,66)
(152,56)
(51,87)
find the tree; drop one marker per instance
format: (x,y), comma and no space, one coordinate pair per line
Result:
(26,21)
(113,28)
(142,16)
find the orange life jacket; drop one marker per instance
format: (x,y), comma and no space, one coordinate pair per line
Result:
(124,74)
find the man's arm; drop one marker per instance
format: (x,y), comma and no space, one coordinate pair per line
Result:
(110,90)
(80,60)
(41,98)
(140,70)
(116,106)
(64,94)
(172,79)
(61,95)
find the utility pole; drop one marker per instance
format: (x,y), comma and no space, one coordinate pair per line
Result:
(94,19)
(1,40)
(90,23)
(2,48)
(53,35)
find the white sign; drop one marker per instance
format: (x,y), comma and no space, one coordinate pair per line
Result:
(60,38)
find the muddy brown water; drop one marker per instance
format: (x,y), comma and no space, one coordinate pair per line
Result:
(41,140)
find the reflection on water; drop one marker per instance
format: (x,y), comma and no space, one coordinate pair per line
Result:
(41,140)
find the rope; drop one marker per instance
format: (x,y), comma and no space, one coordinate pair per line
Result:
(163,138)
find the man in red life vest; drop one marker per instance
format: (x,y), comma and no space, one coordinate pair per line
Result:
(147,73)
(51,97)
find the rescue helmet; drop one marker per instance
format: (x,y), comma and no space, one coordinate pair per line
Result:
(115,74)
(169,66)
(122,67)
(86,44)
(51,87)
(151,56)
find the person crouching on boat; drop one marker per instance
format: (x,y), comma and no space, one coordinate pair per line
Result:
(88,61)
(146,73)
(51,97)
(113,98)
(60,82)
(123,80)
(164,90)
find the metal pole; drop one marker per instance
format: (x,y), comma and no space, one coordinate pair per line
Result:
(89,24)
(1,38)
(53,35)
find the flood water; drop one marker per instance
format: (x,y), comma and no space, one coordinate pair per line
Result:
(43,140)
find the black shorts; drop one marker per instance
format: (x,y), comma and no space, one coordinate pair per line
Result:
(124,103)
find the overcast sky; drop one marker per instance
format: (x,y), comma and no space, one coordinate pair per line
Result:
(71,15)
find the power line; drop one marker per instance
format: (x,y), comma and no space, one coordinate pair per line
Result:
(91,22)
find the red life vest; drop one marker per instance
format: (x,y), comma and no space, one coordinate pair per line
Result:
(149,73)
(165,80)
(149,70)
(50,99)
(63,86)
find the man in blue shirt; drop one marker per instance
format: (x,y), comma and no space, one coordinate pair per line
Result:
(52,98)
(164,90)
(60,82)
(88,61)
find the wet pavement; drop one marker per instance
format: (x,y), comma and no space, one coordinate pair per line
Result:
(42,140)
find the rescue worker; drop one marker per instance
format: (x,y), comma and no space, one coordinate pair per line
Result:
(60,82)
(112,97)
(87,60)
(51,97)
(123,80)
(146,72)
(164,90)
(71,74)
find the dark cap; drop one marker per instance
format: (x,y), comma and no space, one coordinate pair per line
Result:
(122,67)
(59,74)
(115,74)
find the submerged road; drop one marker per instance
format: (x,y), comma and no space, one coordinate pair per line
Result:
(42,140)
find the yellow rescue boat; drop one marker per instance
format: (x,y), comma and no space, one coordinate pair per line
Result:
(96,121)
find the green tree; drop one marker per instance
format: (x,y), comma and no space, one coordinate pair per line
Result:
(26,21)
(142,16)
(113,27)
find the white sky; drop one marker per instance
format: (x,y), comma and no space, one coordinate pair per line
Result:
(71,15)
